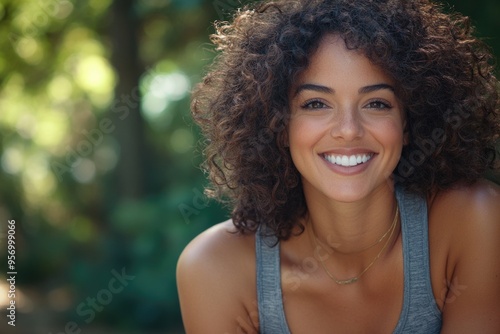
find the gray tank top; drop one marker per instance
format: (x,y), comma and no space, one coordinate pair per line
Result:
(419,313)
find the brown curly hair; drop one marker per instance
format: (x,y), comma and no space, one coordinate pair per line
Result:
(444,77)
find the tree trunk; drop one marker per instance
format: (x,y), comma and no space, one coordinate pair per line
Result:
(130,173)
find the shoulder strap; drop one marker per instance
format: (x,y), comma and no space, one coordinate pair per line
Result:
(269,297)
(420,312)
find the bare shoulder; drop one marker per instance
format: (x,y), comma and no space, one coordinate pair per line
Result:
(216,281)
(467,210)
(481,195)
(464,235)
(218,244)
(464,217)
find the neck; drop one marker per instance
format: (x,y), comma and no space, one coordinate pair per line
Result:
(352,228)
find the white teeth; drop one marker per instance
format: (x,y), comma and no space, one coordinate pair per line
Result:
(352,160)
(348,161)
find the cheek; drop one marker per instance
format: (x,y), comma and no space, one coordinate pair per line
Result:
(390,128)
(302,136)
(391,135)
(393,131)
(304,132)
(388,134)
(397,131)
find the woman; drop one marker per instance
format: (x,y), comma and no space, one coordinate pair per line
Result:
(349,138)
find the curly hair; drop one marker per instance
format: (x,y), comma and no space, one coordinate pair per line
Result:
(444,77)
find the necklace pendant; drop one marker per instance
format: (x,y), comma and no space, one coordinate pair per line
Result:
(347,281)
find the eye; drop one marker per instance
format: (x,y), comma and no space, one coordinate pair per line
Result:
(377,104)
(314,104)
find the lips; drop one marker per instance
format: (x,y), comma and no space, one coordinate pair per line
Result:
(347,160)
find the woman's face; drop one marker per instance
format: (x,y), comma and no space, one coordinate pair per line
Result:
(346,129)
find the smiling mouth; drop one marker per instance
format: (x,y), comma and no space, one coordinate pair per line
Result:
(348,160)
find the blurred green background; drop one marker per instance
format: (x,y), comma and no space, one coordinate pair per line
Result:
(99,156)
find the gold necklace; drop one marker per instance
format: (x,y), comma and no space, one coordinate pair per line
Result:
(382,237)
(356,278)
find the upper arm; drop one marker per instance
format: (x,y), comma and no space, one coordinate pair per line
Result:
(472,301)
(214,280)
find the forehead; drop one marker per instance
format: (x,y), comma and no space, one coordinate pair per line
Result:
(333,62)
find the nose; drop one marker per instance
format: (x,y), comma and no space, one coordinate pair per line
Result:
(347,125)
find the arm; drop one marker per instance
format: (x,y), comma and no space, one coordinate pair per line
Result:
(216,283)
(472,301)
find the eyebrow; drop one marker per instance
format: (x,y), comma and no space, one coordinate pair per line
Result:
(328,90)
(315,88)
(372,88)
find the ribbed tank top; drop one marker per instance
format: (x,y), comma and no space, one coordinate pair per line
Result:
(419,313)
